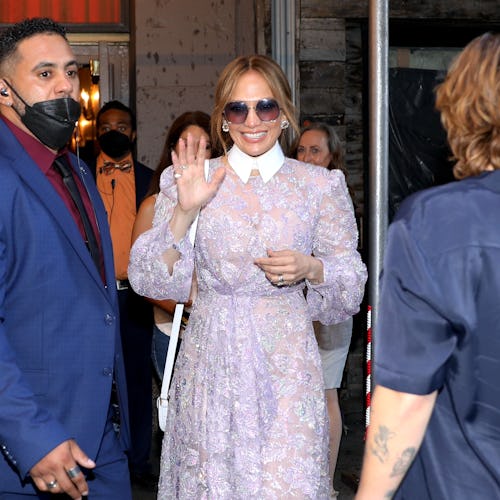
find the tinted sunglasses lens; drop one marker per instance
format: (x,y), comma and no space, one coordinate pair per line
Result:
(236,112)
(267,110)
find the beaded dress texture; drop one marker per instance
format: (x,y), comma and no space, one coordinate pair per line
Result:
(247,417)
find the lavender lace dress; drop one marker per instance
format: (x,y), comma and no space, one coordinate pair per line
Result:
(247,417)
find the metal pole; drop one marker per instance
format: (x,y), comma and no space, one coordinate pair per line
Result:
(283,38)
(379,146)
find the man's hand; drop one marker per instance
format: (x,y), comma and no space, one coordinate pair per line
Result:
(58,471)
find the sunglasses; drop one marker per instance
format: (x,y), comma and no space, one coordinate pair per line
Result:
(268,110)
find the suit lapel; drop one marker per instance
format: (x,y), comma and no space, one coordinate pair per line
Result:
(42,189)
(101,217)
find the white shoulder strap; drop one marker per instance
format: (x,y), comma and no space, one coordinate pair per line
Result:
(172,346)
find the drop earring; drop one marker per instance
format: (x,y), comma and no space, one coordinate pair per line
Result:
(284,124)
(225,126)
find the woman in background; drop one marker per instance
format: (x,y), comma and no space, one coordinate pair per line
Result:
(320,145)
(196,123)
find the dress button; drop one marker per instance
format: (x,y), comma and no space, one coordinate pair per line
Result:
(107,371)
(108,319)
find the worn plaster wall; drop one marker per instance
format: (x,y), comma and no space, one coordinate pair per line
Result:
(180,48)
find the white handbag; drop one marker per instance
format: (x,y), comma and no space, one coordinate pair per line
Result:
(163,398)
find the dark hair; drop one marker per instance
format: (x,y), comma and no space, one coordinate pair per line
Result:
(181,123)
(119,106)
(333,141)
(13,35)
(334,147)
(272,73)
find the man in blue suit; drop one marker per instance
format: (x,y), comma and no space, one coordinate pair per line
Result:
(60,351)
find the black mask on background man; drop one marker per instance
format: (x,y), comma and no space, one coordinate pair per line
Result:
(115,144)
(51,122)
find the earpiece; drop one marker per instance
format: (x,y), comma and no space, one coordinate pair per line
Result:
(4,93)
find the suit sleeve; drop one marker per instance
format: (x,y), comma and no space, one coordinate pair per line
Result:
(27,431)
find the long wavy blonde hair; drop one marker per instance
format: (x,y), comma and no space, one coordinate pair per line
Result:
(469,102)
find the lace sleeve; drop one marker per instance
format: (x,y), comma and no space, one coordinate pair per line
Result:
(335,243)
(148,271)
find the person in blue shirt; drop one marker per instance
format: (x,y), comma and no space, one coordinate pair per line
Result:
(435,414)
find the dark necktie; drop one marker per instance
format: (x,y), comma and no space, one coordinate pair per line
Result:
(69,181)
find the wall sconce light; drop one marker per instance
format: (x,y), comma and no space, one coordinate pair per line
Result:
(89,101)
(84,102)
(94,70)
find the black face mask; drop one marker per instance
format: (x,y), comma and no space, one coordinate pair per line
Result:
(51,122)
(115,144)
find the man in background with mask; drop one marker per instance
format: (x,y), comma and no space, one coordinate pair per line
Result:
(122,182)
(60,350)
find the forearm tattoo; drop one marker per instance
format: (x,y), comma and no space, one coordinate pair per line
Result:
(403,462)
(380,440)
(380,449)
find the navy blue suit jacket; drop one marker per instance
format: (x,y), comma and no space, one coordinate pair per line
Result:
(59,324)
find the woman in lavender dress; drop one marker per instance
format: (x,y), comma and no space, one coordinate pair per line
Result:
(247,416)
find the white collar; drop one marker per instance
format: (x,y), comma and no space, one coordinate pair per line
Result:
(267,164)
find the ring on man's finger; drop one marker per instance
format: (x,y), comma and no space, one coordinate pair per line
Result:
(177,175)
(183,167)
(280,281)
(72,473)
(52,484)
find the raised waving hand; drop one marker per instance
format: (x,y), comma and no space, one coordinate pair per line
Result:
(193,189)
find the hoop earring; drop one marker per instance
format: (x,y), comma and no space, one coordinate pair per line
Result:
(284,124)
(225,126)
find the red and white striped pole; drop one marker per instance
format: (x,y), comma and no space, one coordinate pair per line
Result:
(368,383)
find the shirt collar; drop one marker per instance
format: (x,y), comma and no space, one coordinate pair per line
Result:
(267,164)
(39,153)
